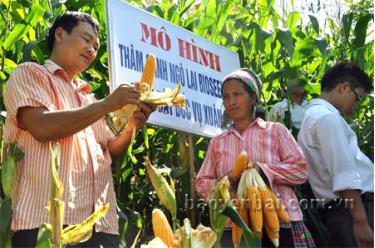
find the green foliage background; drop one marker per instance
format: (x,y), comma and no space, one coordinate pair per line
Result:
(274,43)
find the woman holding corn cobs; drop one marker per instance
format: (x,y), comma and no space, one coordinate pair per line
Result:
(269,146)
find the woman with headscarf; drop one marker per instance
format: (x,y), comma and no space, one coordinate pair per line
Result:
(270,146)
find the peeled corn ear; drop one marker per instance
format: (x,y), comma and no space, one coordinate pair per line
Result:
(272,235)
(148,74)
(282,214)
(270,215)
(255,208)
(236,230)
(240,165)
(162,229)
(155,243)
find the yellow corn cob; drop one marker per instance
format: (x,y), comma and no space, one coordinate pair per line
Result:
(237,231)
(257,234)
(240,165)
(148,74)
(272,235)
(269,211)
(236,237)
(282,214)
(74,234)
(255,208)
(162,229)
(162,188)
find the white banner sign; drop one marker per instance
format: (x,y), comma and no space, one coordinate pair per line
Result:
(181,56)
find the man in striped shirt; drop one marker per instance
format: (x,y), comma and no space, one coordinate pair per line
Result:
(49,103)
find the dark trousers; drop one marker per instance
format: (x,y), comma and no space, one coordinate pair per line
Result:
(286,239)
(338,220)
(28,238)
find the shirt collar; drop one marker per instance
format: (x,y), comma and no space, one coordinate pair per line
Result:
(54,68)
(258,122)
(325,103)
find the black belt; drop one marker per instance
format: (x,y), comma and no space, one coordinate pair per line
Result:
(367,196)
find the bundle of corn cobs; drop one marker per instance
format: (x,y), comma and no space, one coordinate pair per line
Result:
(257,205)
(167,98)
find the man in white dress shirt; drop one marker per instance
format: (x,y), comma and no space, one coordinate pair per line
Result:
(340,175)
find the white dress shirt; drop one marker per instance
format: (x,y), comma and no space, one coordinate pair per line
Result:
(331,148)
(277,112)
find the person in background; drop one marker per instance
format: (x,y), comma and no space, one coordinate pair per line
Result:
(291,110)
(49,103)
(340,175)
(269,145)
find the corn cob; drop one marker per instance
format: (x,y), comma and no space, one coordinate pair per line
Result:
(269,211)
(255,208)
(257,234)
(272,235)
(237,231)
(282,214)
(154,243)
(163,189)
(74,234)
(8,175)
(148,74)
(268,206)
(162,229)
(9,156)
(240,165)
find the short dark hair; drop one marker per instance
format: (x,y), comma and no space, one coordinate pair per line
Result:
(346,72)
(68,21)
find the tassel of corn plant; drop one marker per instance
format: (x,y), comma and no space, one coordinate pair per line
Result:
(162,229)
(163,190)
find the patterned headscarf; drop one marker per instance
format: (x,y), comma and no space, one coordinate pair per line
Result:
(248,77)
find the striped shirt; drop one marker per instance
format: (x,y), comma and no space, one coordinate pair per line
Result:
(268,144)
(85,163)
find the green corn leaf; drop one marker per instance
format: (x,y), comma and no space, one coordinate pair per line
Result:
(250,239)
